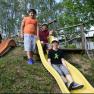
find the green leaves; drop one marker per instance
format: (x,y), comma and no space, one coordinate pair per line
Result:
(67,12)
(77,11)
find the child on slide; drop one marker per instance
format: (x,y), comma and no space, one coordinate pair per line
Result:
(55,58)
(43,35)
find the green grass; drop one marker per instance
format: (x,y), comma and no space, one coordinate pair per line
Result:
(91,78)
(85,65)
(16,76)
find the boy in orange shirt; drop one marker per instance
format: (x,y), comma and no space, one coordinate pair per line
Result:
(29,32)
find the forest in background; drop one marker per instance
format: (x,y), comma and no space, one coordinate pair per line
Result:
(66,12)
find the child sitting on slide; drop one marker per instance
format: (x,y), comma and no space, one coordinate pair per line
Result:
(43,35)
(55,58)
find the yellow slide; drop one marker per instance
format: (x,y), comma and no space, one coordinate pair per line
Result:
(77,76)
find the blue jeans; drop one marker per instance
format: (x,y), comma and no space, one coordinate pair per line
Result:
(61,69)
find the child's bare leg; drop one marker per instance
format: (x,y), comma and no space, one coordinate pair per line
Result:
(64,79)
(29,54)
(69,78)
(67,74)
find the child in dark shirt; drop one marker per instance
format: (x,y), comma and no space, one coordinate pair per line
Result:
(55,58)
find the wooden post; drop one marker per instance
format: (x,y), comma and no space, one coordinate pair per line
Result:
(83,37)
(84,41)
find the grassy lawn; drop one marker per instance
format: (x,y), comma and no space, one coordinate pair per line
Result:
(85,65)
(16,76)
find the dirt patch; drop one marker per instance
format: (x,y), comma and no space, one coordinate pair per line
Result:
(80,62)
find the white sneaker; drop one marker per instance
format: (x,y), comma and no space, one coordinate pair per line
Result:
(70,85)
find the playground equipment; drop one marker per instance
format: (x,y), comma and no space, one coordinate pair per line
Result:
(6,45)
(76,74)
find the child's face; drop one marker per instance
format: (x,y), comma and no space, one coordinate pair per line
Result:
(32,14)
(55,45)
(44,28)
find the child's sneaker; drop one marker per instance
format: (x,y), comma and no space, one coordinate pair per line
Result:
(77,86)
(70,85)
(30,61)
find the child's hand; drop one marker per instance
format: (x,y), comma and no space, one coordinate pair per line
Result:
(41,42)
(36,37)
(22,35)
(51,32)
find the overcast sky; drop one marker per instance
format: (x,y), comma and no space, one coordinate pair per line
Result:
(57,1)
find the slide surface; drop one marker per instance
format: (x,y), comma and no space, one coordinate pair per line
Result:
(5,45)
(76,74)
